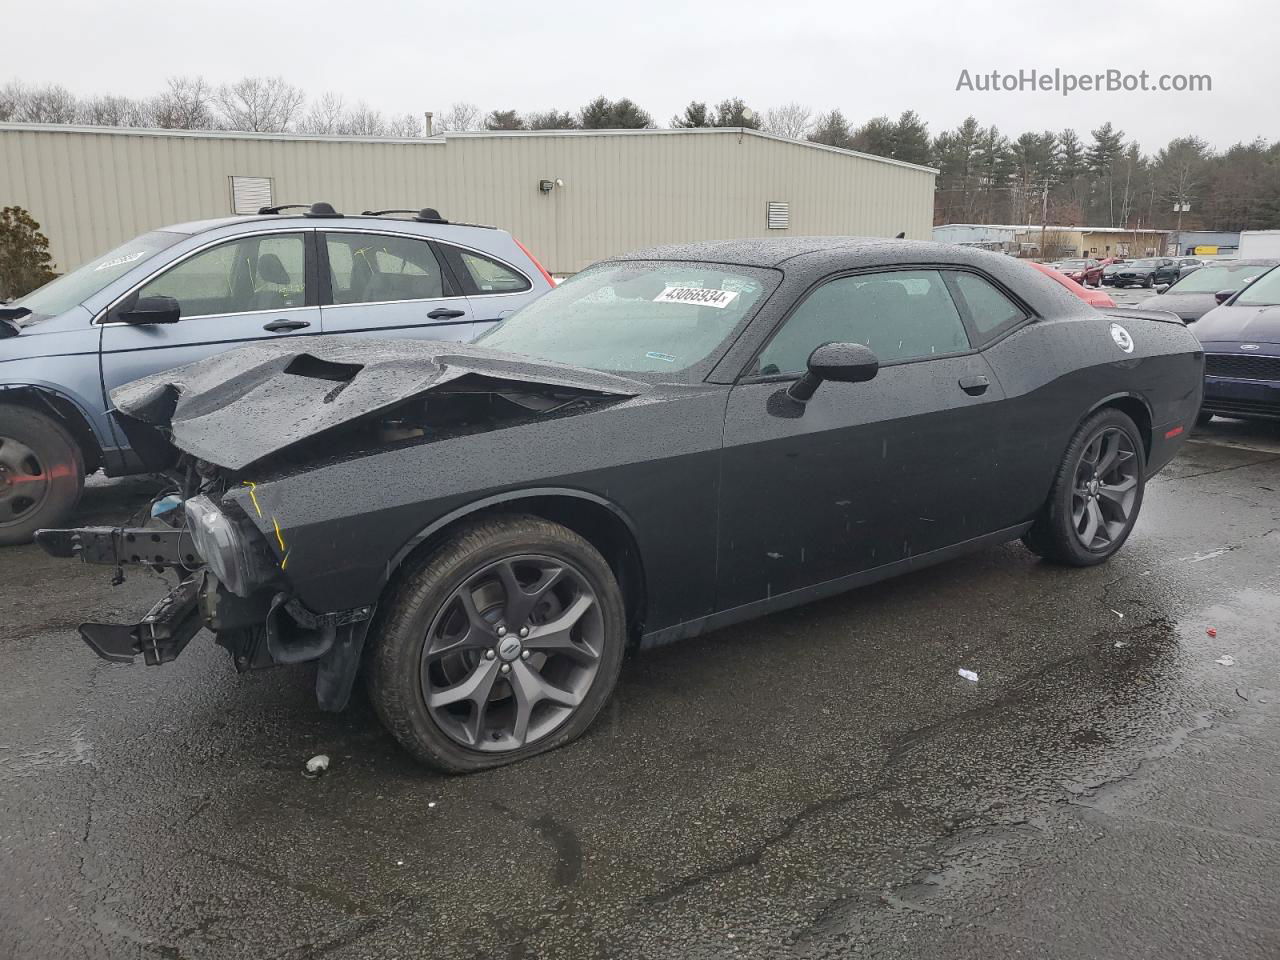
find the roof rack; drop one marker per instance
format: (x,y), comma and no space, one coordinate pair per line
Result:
(425,215)
(319,209)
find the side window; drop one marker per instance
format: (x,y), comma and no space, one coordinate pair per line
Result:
(900,315)
(990,311)
(376,268)
(489,276)
(240,276)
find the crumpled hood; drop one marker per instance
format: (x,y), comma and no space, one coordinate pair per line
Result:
(240,406)
(1189,306)
(1232,324)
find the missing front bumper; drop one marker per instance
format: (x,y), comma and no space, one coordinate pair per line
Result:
(159,636)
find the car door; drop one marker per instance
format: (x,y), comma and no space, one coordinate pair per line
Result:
(390,285)
(254,287)
(495,289)
(864,474)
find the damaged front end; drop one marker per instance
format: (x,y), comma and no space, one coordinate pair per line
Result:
(273,410)
(230,582)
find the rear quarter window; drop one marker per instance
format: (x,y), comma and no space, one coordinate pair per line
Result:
(989,311)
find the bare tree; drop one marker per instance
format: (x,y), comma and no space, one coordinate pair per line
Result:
(406,125)
(186,105)
(792,120)
(460,116)
(47,104)
(325,116)
(11,96)
(363,120)
(263,104)
(114,111)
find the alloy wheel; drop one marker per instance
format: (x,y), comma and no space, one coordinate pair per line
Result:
(512,653)
(24,484)
(1105,489)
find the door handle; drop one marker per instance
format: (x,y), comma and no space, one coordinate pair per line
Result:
(279,326)
(974,385)
(444,313)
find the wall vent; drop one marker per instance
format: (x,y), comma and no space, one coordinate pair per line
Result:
(249,194)
(777,214)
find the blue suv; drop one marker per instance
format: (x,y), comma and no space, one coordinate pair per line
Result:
(177,295)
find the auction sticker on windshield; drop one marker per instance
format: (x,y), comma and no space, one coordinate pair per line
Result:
(697,296)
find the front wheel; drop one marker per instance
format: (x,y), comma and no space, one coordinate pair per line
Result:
(502,644)
(1096,494)
(41,473)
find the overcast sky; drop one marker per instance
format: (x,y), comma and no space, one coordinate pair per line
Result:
(865,58)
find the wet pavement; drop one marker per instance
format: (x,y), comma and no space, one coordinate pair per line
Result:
(820,783)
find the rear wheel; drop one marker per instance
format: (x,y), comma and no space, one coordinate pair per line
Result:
(502,644)
(1096,494)
(41,473)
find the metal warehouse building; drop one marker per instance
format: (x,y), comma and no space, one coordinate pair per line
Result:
(572,197)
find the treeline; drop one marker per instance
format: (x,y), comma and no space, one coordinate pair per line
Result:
(985,176)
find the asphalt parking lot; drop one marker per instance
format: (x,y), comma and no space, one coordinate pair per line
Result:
(820,783)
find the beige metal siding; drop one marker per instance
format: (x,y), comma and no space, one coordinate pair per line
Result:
(93,189)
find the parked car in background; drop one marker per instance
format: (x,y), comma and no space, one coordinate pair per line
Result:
(1093,275)
(669,442)
(1241,342)
(1076,269)
(1109,272)
(1095,298)
(1188,265)
(1147,272)
(1200,291)
(189,291)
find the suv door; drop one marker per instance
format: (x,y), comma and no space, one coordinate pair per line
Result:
(867,474)
(494,288)
(390,285)
(253,287)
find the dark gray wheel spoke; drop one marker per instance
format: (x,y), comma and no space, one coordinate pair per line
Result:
(1120,494)
(475,688)
(530,689)
(523,598)
(558,635)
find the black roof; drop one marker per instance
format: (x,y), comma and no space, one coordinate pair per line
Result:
(812,257)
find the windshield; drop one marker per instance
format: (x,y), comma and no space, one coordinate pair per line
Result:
(1263,292)
(655,319)
(1144,264)
(74,288)
(1213,279)
(1074,264)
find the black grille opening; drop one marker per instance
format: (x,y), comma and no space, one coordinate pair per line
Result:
(1242,367)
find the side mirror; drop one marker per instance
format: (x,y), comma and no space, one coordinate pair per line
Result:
(842,362)
(148,310)
(1162,287)
(1222,296)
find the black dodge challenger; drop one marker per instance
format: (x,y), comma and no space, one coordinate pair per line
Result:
(669,442)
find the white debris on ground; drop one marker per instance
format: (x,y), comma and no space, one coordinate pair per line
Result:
(968,675)
(1226,660)
(317,765)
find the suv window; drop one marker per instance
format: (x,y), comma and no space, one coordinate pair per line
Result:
(377,268)
(990,311)
(490,276)
(240,276)
(900,315)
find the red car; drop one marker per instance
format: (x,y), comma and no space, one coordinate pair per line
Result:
(1095,298)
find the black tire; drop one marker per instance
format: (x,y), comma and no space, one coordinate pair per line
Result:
(1054,535)
(37,454)
(420,599)
(1203,418)
(1149,282)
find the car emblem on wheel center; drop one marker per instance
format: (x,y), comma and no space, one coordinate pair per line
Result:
(1121,336)
(509,648)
